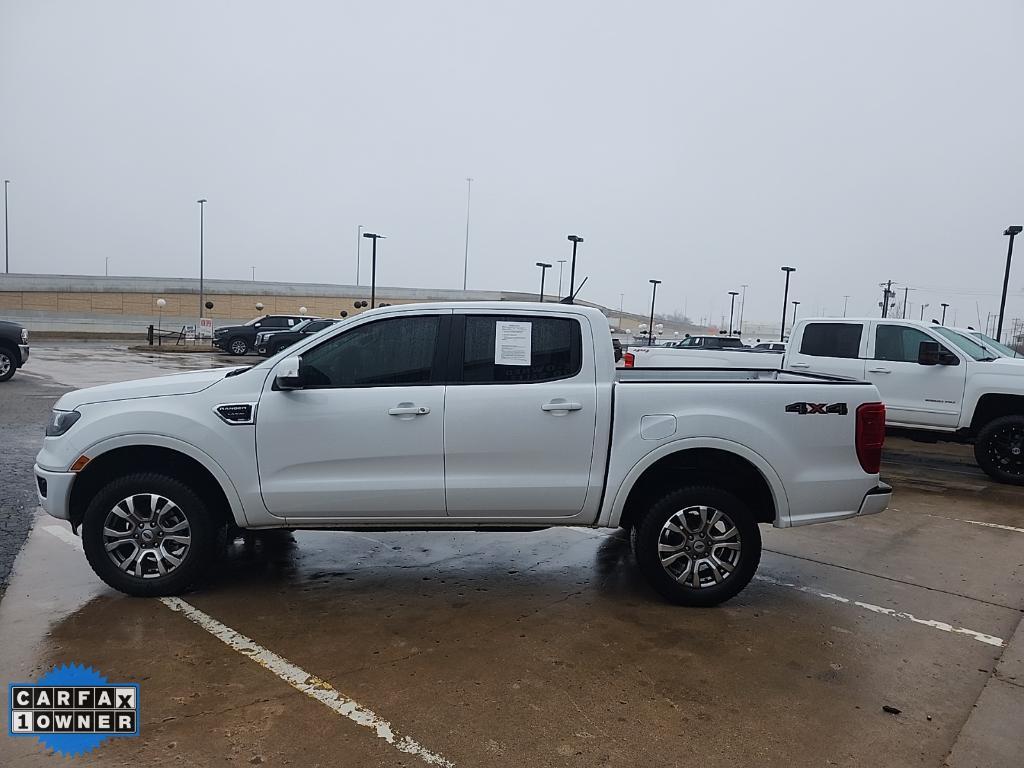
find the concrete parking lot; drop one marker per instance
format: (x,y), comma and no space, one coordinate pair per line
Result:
(537,649)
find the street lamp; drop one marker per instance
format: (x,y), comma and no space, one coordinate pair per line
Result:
(944,305)
(373,267)
(576,240)
(359,250)
(923,308)
(465,265)
(106,266)
(202,221)
(160,304)
(785,299)
(561,266)
(795,305)
(654,293)
(7,248)
(543,271)
(732,307)
(1010,232)
(743,306)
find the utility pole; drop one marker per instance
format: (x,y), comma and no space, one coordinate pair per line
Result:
(887,289)
(202,237)
(359,249)
(906,290)
(785,298)
(7,246)
(650,330)
(732,307)
(465,266)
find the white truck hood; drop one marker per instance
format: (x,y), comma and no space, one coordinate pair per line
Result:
(173,384)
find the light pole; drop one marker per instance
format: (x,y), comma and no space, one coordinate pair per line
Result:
(654,294)
(846,300)
(359,250)
(202,223)
(1010,232)
(253,268)
(576,240)
(465,266)
(743,306)
(622,298)
(945,305)
(785,299)
(732,307)
(795,305)
(7,247)
(923,308)
(373,267)
(561,266)
(106,266)
(543,271)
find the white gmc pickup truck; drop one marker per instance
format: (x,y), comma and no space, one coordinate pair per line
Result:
(937,382)
(469,416)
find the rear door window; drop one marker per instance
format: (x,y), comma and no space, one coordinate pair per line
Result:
(832,340)
(511,349)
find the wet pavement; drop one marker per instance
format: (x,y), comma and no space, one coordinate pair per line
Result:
(548,648)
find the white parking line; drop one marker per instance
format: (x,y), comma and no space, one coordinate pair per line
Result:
(295,676)
(981,637)
(972,522)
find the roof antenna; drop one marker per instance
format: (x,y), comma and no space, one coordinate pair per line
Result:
(572,299)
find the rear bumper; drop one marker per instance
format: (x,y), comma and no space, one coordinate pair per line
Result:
(876,500)
(53,489)
(23,350)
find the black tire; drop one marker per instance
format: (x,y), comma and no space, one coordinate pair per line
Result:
(200,554)
(710,554)
(999,449)
(237,346)
(8,363)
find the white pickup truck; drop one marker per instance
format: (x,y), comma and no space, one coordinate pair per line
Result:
(468,416)
(938,382)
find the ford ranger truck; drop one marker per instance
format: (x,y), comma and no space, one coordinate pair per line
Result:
(466,417)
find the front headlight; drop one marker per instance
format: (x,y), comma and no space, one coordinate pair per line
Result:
(260,338)
(60,422)
(24,335)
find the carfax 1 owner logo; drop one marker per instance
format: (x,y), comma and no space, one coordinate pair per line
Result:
(72,709)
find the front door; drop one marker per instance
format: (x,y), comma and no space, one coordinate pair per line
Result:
(363,437)
(914,394)
(520,416)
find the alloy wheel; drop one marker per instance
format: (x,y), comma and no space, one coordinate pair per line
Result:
(147,535)
(699,546)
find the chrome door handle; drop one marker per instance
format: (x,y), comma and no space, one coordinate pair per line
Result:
(879,370)
(561,406)
(409,410)
(799,365)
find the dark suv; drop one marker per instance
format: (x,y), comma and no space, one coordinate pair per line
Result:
(13,348)
(271,342)
(240,339)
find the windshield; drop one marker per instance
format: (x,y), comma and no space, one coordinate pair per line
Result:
(1000,348)
(299,325)
(965,344)
(255,320)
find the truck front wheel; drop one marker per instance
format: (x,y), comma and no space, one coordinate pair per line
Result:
(149,535)
(698,546)
(999,449)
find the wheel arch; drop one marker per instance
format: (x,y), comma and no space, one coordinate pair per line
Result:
(715,461)
(131,453)
(994,405)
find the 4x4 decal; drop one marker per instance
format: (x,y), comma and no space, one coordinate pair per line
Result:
(803,409)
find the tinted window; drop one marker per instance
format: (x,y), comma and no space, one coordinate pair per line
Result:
(275,321)
(556,350)
(831,340)
(316,325)
(899,343)
(395,351)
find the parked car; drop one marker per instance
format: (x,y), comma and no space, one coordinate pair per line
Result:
(936,382)
(770,346)
(709,342)
(241,339)
(13,348)
(271,342)
(461,416)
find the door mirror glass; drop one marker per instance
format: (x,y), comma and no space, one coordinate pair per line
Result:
(928,353)
(289,374)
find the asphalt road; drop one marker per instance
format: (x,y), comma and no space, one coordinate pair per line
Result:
(548,648)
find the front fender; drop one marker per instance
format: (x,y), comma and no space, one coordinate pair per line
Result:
(612,513)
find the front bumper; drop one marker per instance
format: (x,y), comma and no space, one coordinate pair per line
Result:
(23,349)
(53,489)
(876,500)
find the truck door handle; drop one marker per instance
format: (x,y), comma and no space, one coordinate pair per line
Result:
(408,409)
(561,405)
(800,365)
(879,370)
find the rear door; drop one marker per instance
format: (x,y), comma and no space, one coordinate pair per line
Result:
(835,348)
(914,394)
(520,415)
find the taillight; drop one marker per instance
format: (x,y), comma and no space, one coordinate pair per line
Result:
(628,358)
(870,436)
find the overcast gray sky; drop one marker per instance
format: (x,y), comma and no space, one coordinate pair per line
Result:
(703,144)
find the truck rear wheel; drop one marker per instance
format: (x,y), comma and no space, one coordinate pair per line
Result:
(999,449)
(7,364)
(149,535)
(698,546)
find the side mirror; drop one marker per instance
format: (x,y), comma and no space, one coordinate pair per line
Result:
(289,374)
(928,353)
